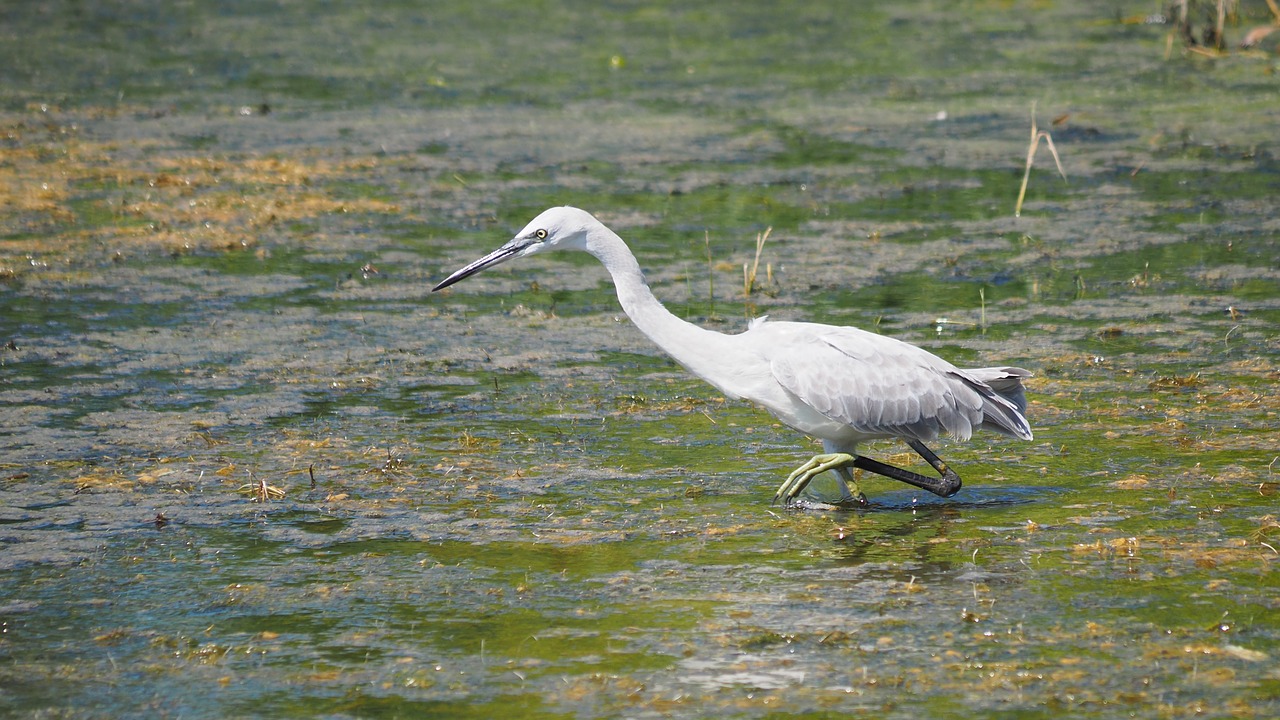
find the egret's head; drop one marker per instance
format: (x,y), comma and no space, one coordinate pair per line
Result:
(562,228)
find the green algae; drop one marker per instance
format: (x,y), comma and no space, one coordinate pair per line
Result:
(219,234)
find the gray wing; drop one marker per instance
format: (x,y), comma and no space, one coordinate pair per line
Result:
(878,385)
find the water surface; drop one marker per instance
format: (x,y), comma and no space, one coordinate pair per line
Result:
(252,467)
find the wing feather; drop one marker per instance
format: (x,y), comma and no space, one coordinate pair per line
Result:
(877,385)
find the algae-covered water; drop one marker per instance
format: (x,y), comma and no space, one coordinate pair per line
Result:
(251,466)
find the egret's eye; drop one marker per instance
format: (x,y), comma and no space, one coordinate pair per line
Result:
(540,234)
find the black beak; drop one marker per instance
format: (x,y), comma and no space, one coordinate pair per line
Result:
(497,257)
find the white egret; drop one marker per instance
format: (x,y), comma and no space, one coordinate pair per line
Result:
(842,385)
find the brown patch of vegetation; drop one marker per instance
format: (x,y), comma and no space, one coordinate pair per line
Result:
(64,198)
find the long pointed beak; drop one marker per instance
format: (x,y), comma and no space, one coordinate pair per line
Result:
(497,257)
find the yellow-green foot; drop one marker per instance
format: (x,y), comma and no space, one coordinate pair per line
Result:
(798,480)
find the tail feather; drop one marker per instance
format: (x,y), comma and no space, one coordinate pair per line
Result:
(1005,407)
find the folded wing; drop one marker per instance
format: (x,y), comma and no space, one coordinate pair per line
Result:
(881,386)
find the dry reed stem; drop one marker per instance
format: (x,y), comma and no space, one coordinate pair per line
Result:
(749,276)
(1036,135)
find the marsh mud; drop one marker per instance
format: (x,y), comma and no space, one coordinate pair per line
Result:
(250,466)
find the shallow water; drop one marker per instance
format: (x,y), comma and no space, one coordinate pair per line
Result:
(249,465)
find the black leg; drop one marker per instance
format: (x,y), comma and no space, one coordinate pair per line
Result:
(947,486)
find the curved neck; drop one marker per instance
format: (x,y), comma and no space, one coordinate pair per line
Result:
(699,350)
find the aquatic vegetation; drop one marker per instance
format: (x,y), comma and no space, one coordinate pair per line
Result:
(217,235)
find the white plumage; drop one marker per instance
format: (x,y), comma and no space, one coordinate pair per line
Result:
(842,385)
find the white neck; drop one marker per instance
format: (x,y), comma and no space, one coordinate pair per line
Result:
(703,352)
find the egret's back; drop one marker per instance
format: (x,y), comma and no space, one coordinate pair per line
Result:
(876,386)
